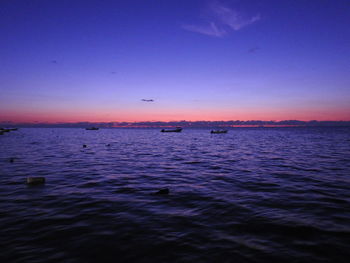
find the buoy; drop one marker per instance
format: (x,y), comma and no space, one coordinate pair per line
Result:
(84,145)
(12,160)
(35,180)
(108,145)
(163,191)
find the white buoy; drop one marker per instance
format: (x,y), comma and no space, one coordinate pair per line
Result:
(35,180)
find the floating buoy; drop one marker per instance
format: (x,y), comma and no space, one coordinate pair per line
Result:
(35,180)
(12,160)
(164,191)
(84,145)
(108,145)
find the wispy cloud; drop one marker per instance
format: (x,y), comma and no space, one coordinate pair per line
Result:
(210,30)
(223,20)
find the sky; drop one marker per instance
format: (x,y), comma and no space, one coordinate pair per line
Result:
(169,60)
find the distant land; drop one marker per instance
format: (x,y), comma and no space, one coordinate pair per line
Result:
(184,124)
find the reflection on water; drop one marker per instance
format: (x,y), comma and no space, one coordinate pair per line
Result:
(251,195)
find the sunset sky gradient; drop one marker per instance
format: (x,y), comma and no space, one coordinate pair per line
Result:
(78,60)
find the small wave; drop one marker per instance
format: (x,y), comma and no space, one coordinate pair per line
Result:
(193,162)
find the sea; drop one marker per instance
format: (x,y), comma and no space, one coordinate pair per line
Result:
(279,194)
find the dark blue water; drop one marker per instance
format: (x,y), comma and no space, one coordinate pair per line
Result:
(252,195)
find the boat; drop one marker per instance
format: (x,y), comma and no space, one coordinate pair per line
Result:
(8,129)
(218,131)
(5,130)
(92,129)
(178,129)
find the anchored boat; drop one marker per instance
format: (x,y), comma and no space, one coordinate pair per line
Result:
(3,130)
(178,129)
(218,131)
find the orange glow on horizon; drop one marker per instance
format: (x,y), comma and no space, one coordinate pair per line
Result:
(172,115)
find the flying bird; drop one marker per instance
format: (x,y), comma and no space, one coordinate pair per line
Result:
(146,100)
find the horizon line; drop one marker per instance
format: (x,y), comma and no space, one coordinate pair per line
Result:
(183,120)
(183,123)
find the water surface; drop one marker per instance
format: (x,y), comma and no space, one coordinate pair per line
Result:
(252,195)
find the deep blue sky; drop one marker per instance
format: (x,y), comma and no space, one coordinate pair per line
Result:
(199,60)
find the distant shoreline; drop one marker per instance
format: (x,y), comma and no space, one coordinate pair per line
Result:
(184,124)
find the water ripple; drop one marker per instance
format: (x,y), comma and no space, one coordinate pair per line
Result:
(252,195)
